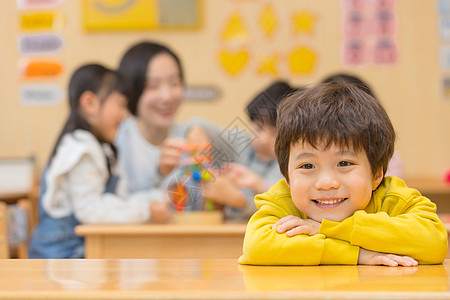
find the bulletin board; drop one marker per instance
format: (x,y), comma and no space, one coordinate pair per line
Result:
(141,14)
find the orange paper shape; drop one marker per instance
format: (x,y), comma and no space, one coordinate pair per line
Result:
(41,68)
(233,61)
(302,60)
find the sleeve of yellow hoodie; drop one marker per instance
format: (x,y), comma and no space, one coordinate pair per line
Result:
(401,222)
(265,246)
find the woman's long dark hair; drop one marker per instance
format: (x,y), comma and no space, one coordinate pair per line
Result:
(133,68)
(97,79)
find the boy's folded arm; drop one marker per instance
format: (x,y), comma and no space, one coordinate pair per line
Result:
(415,231)
(265,246)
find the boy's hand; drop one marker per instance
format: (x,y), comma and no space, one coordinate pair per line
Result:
(170,155)
(373,258)
(296,226)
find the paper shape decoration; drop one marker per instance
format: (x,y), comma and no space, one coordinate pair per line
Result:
(302,60)
(233,61)
(41,4)
(303,22)
(354,52)
(235,30)
(352,5)
(355,24)
(267,65)
(385,52)
(41,21)
(40,68)
(384,4)
(40,94)
(384,23)
(268,21)
(40,43)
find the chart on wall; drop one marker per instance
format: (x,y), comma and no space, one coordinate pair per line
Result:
(369,29)
(141,14)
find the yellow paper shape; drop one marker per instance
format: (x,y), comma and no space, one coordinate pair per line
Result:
(303,21)
(120,14)
(302,60)
(267,64)
(40,21)
(268,21)
(233,61)
(235,30)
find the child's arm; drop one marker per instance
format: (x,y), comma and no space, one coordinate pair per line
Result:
(293,225)
(263,245)
(91,204)
(409,228)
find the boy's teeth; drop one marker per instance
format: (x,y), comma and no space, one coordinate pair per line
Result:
(330,201)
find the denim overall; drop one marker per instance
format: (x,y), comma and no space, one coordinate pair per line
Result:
(55,237)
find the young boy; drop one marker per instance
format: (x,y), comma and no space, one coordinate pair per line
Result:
(335,206)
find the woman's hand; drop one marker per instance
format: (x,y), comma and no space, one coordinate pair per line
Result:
(171,150)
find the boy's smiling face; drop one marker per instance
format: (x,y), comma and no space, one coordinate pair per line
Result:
(330,183)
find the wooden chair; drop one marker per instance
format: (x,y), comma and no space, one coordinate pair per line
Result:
(19,250)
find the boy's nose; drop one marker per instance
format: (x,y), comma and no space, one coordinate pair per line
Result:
(326,181)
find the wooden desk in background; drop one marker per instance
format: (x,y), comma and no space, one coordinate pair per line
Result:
(162,241)
(215,279)
(434,189)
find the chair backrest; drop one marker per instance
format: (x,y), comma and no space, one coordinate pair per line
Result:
(18,180)
(16,225)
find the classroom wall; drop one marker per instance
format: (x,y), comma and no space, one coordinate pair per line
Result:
(410,89)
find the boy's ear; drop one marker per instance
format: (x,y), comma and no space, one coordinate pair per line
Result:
(377,179)
(89,103)
(287,182)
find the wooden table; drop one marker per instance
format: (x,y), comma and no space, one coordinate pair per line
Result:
(214,279)
(162,241)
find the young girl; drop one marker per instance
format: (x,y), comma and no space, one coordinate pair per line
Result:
(82,182)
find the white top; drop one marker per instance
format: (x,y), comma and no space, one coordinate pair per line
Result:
(76,181)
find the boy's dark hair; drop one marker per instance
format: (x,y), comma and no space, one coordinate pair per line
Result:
(352,79)
(263,108)
(133,68)
(90,77)
(335,113)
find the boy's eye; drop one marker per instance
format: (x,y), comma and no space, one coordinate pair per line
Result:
(344,164)
(307,166)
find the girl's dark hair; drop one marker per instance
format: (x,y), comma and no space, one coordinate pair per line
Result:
(133,68)
(335,113)
(263,108)
(97,79)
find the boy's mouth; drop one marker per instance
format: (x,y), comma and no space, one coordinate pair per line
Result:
(329,201)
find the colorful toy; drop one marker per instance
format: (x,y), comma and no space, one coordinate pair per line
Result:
(195,163)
